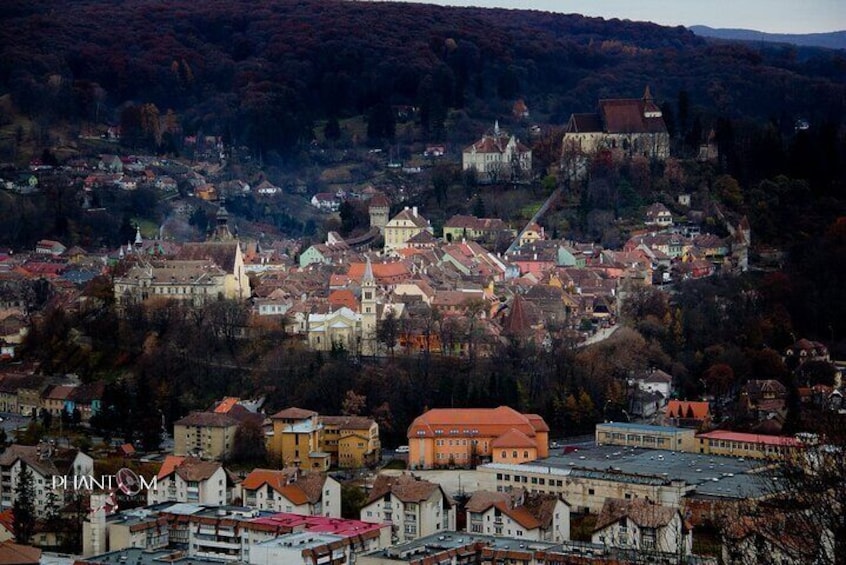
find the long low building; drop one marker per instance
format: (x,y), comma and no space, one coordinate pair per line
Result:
(585,478)
(649,437)
(460,548)
(717,442)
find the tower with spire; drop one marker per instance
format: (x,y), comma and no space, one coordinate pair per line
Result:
(221,227)
(369,308)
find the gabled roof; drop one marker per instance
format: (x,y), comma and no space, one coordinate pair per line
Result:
(193,469)
(207,419)
(293,413)
(15,554)
(513,438)
(347,422)
(484,422)
(405,487)
(221,253)
(627,116)
(642,512)
(584,123)
(688,409)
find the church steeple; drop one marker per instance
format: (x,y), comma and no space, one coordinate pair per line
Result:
(369,306)
(221,228)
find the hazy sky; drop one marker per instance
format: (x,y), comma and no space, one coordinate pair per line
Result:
(775,16)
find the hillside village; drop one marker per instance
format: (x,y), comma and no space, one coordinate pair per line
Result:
(638,491)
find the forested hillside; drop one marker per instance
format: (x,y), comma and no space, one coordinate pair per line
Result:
(263,72)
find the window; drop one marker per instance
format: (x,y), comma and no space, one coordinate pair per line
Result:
(504,455)
(591,491)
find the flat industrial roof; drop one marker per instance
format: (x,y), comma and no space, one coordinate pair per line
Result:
(138,556)
(645,427)
(634,464)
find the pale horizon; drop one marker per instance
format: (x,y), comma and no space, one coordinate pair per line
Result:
(768,16)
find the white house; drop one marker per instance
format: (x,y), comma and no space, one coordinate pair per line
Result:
(288,490)
(341,328)
(325,201)
(643,525)
(415,508)
(187,479)
(44,462)
(497,157)
(658,215)
(518,514)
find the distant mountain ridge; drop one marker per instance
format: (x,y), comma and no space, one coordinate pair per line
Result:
(830,40)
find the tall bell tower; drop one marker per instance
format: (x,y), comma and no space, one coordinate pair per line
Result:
(368,311)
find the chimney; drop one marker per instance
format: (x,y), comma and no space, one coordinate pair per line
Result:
(414,211)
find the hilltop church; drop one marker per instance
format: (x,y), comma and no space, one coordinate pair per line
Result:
(625,126)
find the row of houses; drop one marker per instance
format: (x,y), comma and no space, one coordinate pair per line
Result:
(295,437)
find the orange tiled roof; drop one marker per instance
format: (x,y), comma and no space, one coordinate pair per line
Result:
(681,409)
(169,465)
(226,404)
(294,413)
(513,438)
(483,422)
(380,270)
(519,514)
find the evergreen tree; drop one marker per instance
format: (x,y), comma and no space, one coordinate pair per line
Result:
(23,509)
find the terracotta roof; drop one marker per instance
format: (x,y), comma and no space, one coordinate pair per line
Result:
(226,404)
(517,320)
(170,463)
(484,499)
(88,392)
(486,422)
(519,514)
(222,253)
(627,116)
(513,438)
(408,215)
(379,201)
(207,419)
(57,392)
(16,554)
(293,413)
(57,464)
(382,272)
(688,409)
(193,469)
(343,297)
(584,123)
(405,487)
(347,422)
(642,512)
(7,521)
(299,489)
(542,506)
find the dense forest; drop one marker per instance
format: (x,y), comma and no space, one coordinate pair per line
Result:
(263,73)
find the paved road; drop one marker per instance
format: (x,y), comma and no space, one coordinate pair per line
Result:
(600,335)
(541,211)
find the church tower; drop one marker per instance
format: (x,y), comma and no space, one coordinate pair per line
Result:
(368,311)
(221,227)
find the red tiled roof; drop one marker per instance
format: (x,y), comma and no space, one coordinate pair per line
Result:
(226,404)
(682,409)
(751,438)
(293,413)
(513,438)
(644,513)
(487,422)
(169,465)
